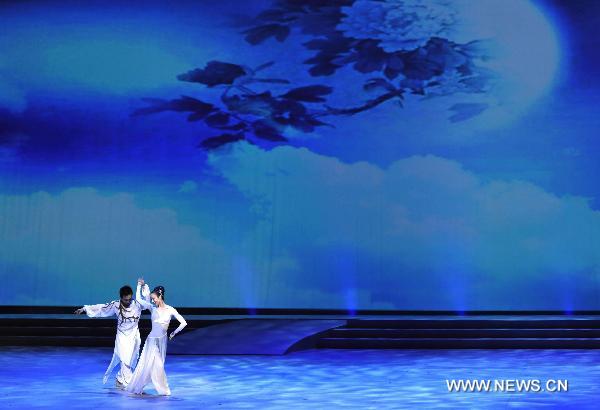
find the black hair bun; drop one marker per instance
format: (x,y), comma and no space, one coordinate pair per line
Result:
(159,291)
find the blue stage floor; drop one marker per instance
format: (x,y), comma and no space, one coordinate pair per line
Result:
(70,378)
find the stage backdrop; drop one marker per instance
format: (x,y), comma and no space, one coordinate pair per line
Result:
(351,154)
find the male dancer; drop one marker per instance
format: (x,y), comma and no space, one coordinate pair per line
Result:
(127,341)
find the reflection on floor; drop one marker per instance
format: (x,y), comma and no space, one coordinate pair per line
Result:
(314,379)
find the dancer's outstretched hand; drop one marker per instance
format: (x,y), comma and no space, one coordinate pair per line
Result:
(171,336)
(79,311)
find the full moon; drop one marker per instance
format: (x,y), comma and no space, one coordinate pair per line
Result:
(526,54)
(525,59)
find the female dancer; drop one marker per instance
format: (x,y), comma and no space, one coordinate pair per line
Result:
(151,366)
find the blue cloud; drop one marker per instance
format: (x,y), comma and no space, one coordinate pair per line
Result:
(422,226)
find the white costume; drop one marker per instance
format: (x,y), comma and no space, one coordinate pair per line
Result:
(127,341)
(151,366)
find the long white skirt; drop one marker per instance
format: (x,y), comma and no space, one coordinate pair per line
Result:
(151,367)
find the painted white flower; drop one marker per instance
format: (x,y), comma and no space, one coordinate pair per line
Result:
(398,24)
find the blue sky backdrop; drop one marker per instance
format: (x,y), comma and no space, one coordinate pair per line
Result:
(474,187)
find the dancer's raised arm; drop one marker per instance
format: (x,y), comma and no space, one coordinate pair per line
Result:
(182,322)
(142,294)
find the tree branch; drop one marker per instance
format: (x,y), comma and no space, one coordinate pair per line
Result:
(367,106)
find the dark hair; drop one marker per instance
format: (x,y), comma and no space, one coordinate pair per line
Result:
(159,291)
(125,290)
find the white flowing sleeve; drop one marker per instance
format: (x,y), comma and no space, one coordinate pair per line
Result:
(146,293)
(142,296)
(180,319)
(102,309)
